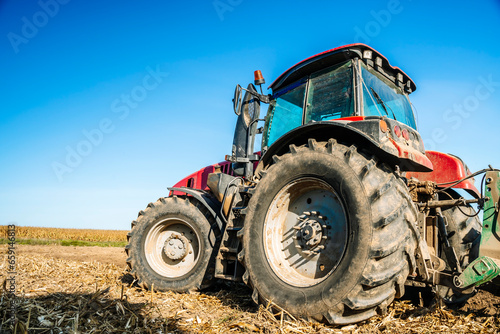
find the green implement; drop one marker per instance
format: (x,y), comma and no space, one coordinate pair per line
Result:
(487,266)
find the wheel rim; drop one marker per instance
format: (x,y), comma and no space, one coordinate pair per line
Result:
(305,232)
(172,247)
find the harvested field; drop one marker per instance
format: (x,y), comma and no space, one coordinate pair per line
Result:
(52,233)
(78,293)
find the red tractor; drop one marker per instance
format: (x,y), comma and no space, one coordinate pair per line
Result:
(339,211)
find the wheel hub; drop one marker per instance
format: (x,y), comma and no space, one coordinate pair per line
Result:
(176,247)
(311,236)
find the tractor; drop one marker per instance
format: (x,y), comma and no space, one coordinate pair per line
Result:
(339,211)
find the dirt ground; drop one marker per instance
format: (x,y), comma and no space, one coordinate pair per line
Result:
(487,302)
(87,290)
(105,255)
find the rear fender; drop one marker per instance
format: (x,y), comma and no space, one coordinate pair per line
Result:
(367,134)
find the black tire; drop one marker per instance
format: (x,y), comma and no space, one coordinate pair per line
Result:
(464,235)
(379,244)
(182,239)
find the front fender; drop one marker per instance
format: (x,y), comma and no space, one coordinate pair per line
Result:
(447,169)
(206,199)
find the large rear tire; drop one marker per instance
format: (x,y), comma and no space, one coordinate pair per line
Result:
(327,234)
(172,246)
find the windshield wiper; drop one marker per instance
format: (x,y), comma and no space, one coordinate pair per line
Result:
(382,103)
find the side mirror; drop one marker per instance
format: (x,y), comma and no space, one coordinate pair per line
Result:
(244,132)
(237,100)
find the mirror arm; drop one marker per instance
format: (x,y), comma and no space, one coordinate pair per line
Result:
(261,97)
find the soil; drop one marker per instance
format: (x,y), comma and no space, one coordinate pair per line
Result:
(105,255)
(486,302)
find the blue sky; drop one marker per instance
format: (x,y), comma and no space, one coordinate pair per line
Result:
(143,89)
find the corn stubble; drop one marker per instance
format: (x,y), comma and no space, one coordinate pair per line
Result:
(59,296)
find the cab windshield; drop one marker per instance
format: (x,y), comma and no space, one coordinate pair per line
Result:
(329,96)
(381,97)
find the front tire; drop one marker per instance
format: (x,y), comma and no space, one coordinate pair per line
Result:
(172,246)
(361,213)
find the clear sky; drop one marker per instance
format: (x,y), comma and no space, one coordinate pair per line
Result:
(106,104)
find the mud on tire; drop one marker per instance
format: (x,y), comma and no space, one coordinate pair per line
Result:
(369,227)
(172,246)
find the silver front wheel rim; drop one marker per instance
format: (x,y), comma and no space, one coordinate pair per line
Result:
(172,247)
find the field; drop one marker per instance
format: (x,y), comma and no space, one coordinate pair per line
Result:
(29,235)
(88,290)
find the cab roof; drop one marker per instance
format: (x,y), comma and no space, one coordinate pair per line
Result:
(340,54)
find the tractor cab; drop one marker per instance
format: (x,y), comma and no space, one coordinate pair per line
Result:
(342,83)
